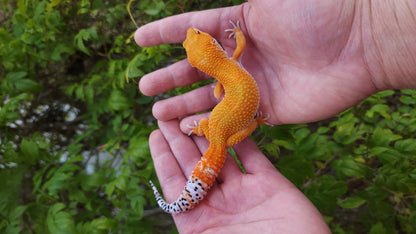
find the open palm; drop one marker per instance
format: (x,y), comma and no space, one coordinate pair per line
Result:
(309,63)
(261,200)
(306,57)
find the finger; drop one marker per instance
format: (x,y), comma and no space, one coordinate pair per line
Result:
(183,147)
(168,172)
(173,29)
(198,100)
(170,164)
(252,159)
(177,75)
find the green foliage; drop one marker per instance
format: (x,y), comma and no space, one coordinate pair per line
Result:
(74,156)
(358,168)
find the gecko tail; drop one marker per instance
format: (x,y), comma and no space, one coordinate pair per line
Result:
(192,194)
(198,184)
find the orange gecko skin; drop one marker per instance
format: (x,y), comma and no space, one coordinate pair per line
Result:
(232,120)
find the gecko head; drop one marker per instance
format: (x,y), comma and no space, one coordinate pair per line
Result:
(195,38)
(200,47)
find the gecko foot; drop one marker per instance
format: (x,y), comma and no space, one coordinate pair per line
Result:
(192,127)
(263,119)
(232,34)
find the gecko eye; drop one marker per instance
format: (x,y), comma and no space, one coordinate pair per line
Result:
(198,32)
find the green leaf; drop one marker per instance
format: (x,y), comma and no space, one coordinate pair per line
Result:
(78,158)
(406,145)
(385,93)
(138,149)
(14,220)
(16,76)
(322,130)
(382,137)
(155,8)
(389,156)
(133,67)
(55,2)
(89,94)
(380,209)
(374,151)
(59,50)
(90,182)
(283,132)
(79,92)
(272,148)
(347,133)
(347,166)
(30,151)
(5,37)
(378,228)
(27,85)
(9,111)
(118,100)
(121,182)
(408,100)
(352,202)
(74,148)
(144,100)
(137,204)
(381,109)
(103,224)
(85,35)
(314,147)
(59,179)
(296,169)
(324,192)
(109,189)
(410,92)
(59,221)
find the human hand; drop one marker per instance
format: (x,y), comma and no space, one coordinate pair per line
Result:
(306,58)
(260,201)
(310,62)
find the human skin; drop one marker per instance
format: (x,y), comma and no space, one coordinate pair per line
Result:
(311,59)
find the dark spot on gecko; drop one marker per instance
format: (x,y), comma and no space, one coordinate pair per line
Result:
(219,43)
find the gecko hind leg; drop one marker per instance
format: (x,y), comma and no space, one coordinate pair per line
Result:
(239,38)
(219,90)
(201,129)
(240,135)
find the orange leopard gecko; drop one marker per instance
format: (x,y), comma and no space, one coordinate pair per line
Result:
(232,120)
